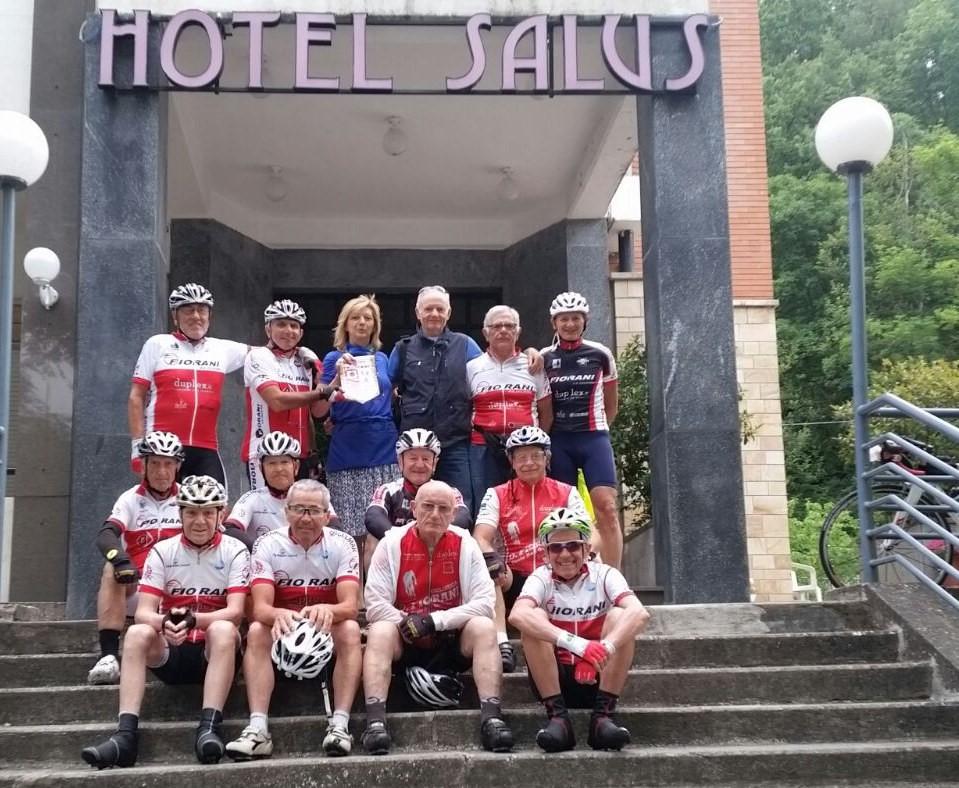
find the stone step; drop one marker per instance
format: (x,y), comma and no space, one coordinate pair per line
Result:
(647,687)
(657,651)
(73,637)
(769,764)
(171,742)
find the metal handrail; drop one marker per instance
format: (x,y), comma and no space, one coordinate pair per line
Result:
(890,406)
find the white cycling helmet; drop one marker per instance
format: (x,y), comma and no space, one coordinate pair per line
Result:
(284,309)
(564,520)
(302,652)
(190,293)
(161,444)
(417,438)
(433,690)
(568,302)
(527,436)
(200,492)
(278,444)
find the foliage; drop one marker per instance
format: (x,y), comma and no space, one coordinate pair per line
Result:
(905,53)
(630,432)
(805,522)
(925,383)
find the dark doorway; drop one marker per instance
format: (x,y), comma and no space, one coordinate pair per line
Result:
(397,309)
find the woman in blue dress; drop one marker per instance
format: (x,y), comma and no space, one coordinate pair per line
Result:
(362,452)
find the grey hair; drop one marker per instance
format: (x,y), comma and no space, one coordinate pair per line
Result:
(432,290)
(500,308)
(309,486)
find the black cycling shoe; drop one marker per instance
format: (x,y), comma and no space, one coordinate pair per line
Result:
(119,750)
(376,738)
(508,655)
(496,735)
(604,734)
(557,736)
(209,746)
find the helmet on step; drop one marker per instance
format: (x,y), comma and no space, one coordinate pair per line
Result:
(303,651)
(433,690)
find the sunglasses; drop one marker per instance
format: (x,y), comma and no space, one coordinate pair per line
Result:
(555,548)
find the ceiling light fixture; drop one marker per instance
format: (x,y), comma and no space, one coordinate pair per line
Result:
(507,188)
(276,189)
(394,141)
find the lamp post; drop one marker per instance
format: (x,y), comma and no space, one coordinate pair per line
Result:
(23,158)
(852,137)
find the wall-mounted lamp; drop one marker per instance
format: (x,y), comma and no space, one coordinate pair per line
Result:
(394,141)
(276,189)
(42,266)
(507,188)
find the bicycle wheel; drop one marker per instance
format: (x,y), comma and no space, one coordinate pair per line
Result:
(839,543)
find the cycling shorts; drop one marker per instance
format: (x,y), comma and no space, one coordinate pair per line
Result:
(184,664)
(202,462)
(511,594)
(445,656)
(590,451)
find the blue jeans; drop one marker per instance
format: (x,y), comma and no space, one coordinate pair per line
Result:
(486,472)
(454,469)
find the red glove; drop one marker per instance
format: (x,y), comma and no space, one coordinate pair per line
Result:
(595,654)
(584,673)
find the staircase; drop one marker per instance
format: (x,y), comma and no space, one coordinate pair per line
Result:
(804,694)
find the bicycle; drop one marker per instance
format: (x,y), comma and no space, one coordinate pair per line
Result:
(839,535)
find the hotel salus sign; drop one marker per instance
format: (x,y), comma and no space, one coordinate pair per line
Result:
(528,49)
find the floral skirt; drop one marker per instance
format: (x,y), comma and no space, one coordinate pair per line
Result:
(351,491)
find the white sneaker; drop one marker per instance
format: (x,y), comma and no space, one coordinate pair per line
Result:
(251,744)
(337,741)
(106,671)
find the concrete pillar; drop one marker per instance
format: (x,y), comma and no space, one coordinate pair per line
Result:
(121,294)
(694,416)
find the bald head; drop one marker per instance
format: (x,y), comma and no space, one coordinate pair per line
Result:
(433,509)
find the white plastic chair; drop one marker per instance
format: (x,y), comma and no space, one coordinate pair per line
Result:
(809,591)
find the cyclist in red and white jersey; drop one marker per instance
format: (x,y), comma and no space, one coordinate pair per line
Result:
(142,516)
(305,570)
(182,376)
(511,513)
(578,620)
(506,396)
(279,386)
(429,599)
(191,603)
(262,510)
(583,384)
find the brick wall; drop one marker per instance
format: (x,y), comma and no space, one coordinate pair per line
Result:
(745,148)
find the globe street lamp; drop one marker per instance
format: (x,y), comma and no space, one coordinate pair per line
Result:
(852,137)
(23,158)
